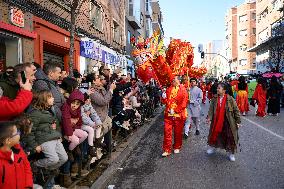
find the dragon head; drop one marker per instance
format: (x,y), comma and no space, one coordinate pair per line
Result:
(146,49)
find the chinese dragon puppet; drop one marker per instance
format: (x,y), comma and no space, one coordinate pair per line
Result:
(153,61)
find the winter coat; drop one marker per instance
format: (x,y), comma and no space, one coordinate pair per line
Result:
(10,88)
(44,83)
(116,102)
(93,119)
(67,113)
(12,108)
(232,114)
(100,101)
(41,130)
(15,174)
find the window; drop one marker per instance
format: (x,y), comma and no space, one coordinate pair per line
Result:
(253,31)
(134,8)
(263,14)
(243,62)
(243,32)
(148,27)
(64,4)
(128,36)
(253,16)
(263,35)
(243,18)
(116,32)
(243,47)
(147,5)
(276,4)
(96,16)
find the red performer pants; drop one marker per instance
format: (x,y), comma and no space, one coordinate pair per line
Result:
(177,124)
(204,97)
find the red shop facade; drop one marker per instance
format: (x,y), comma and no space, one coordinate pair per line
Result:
(53,44)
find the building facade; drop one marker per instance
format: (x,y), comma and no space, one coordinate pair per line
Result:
(99,22)
(269,36)
(212,50)
(16,36)
(240,36)
(142,18)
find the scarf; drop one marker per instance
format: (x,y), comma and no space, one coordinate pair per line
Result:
(218,119)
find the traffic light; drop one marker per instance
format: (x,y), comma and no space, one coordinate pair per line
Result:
(202,54)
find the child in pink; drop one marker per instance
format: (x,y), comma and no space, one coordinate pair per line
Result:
(72,119)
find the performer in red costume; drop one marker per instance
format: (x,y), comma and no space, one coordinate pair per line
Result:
(260,97)
(208,88)
(175,98)
(203,89)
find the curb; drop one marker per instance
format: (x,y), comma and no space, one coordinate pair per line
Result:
(118,159)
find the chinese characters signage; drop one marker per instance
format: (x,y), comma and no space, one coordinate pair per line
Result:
(17,17)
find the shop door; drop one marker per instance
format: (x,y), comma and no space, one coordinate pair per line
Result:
(2,54)
(48,56)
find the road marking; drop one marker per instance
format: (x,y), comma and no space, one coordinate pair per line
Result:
(267,130)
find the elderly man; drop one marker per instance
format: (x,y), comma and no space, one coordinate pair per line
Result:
(175,98)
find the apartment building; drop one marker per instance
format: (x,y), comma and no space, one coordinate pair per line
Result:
(142,18)
(99,25)
(269,36)
(241,35)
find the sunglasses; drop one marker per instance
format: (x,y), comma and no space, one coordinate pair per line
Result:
(16,134)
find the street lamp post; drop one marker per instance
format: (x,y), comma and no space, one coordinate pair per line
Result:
(223,57)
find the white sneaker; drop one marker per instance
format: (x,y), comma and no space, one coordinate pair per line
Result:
(232,157)
(165,154)
(99,153)
(176,151)
(210,151)
(244,114)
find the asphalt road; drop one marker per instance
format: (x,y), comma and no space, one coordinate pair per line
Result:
(259,165)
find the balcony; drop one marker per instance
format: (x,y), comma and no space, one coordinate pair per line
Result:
(157,24)
(155,6)
(134,17)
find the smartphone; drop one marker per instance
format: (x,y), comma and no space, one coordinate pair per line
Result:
(23,76)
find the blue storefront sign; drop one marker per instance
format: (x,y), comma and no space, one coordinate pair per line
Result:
(95,51)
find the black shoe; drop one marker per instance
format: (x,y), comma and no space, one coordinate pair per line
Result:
(185,136)
(197,132)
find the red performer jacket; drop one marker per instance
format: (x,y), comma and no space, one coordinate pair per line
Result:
(176,99)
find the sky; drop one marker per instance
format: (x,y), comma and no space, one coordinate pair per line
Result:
(196,21)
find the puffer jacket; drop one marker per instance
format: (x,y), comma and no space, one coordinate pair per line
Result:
(68,114)
(93,119)
(15,174)
(44,83)
(41,130)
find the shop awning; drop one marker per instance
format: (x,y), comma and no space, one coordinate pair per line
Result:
(266,43)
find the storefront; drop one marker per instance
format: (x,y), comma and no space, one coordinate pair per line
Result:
(93,55)
(16,37)
(53,44)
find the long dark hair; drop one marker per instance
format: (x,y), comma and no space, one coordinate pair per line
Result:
(263,83)
(242,83)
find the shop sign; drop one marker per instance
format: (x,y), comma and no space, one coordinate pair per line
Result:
(17,17)
(95,51)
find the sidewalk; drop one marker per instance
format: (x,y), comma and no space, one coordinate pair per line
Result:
(109,166)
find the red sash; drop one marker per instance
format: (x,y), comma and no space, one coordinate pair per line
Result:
(218,119)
